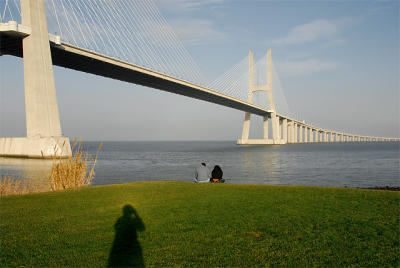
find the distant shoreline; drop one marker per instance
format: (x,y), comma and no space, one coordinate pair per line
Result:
(387,188)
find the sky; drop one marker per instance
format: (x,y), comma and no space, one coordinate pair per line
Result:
(338,63)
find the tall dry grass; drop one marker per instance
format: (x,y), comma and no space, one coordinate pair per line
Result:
(10,186)
(75,171)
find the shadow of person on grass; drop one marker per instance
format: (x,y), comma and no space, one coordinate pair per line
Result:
(126,250)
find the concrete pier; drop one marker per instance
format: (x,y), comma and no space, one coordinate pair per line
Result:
(43,129)
(265,127)
(285,130)
(301,133)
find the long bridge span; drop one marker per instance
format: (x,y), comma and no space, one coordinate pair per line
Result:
(40,50)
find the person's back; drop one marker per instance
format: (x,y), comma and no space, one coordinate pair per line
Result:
(216,175)
(202,173)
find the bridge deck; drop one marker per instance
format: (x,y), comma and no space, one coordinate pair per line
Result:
(71,57)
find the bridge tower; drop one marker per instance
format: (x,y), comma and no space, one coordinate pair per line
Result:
(43,129)
(275,121)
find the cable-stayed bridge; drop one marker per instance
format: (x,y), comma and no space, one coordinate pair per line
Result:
(132,42)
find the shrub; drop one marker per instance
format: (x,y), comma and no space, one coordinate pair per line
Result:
(75,171)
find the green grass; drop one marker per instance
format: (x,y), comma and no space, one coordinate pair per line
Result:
(187,224)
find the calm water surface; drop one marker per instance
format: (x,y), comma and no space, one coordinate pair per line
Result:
(318,164)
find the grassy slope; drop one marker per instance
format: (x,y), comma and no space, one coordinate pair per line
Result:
(190,224)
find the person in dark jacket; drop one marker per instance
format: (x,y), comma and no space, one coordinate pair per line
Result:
(216,175)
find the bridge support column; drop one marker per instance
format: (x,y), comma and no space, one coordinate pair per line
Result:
(285,131)
(311,135)
(305,134)
(295,133)
(43,129)
(275,128)
(246,127)
(265,127)
(301,133)
(290,132)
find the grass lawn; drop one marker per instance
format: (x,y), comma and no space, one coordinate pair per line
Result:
(172,223)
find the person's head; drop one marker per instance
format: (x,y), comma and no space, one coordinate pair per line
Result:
(203,164)
(216,167)
(128,210)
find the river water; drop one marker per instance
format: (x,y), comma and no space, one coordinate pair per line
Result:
(317,164)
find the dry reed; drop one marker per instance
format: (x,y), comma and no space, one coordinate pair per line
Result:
(10,186)
(73,172)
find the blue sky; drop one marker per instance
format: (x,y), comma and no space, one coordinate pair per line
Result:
(338,63)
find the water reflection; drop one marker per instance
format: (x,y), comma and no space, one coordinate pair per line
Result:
(33,171)
(262,162)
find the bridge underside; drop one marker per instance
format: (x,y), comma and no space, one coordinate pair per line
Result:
(90,62)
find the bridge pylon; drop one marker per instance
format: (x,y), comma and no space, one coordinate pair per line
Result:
(43,129)
(276,123)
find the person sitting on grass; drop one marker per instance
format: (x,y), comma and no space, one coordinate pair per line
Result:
(216,175)
(202,173)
